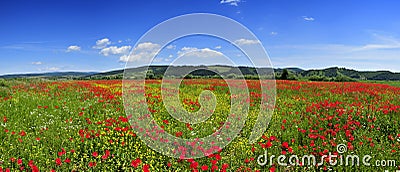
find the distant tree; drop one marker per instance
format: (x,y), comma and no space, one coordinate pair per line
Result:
(285,74)
(150,74)
(231,76)
(189,76)
(2,83)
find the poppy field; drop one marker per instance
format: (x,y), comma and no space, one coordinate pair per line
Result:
(82,126)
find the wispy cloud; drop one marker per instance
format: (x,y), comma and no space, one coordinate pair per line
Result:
(114,50)
(308,18)
(53,69)
(379,46)
(230,2)
(102,43)
(380,54)
(49,69)
(381,43)
(273,33)
(37,63)
(32,47)
(73,48)
(246,41)
(196,52)
(385,42)
(142,52)
(171,47)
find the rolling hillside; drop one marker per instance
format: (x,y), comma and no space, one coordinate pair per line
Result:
(155,72)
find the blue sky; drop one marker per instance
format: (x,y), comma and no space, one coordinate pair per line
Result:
(44,36)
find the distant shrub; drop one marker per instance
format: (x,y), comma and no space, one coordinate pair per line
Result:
(317,78)
(3,83)
(4,92)
(343,79)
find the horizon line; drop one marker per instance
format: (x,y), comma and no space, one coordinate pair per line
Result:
(115,69)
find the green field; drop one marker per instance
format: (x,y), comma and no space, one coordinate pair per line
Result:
(82,126)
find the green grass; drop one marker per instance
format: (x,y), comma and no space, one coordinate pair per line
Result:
(391,83)
(50,121)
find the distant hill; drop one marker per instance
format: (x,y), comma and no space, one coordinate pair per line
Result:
(155,72)
(335,72)
(293,70)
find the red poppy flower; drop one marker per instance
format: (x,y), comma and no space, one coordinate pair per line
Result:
(285,145)
(194,165)
(178,134)
(218,157)
(266,145)
(146,168)
(92,164)
(135,163)
(95,154)
(204,167)
(225,166)
(58,162)
(166,121)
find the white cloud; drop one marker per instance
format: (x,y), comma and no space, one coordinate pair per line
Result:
(246,41)
(53,69)
(379,46)
(49,69)
(124,58)
(273,33)
(195,52)
(142,52)
(171,47)
(308,18)
(115,50)
(386,42)
(230,2)
(381,53)
(218,47)
(102,43)
(73,48)
(37,63)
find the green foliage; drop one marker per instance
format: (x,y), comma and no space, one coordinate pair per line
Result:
(52,120)
(4,90)
(157,72)
(285,74)
(343,79)
(3,83)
